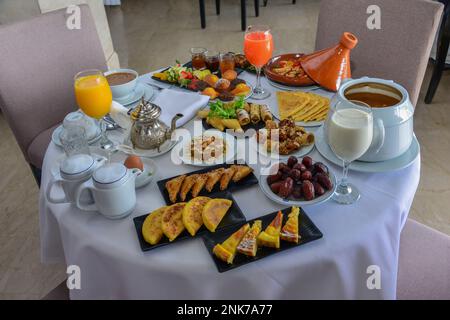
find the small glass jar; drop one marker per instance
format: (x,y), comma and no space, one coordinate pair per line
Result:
(212,61)
(73,140)
(198,58)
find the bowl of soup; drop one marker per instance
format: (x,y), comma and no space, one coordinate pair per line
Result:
(392,115)
(122,83)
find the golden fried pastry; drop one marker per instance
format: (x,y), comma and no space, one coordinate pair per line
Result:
(241,172)
(152,229)
(192,214)
(271,236)
(199,184)
(289,232)
(249,245)
(173,187)
(213,178)
(187,186)
(172,221)
(226,251)
(226,177)
(214,211)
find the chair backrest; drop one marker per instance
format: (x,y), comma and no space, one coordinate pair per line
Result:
(398,51)
(38,60)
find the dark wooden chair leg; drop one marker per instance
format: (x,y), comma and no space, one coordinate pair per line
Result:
(441,55)
(217,7)
(257,8)
(294,1)
(202,13)
(37,174)
(243,15)
(265,3)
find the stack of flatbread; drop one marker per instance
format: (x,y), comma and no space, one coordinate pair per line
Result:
(302,106)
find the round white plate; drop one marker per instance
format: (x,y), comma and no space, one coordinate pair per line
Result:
(261,150)
(183,150)
(398,163)
(144,178)
(288,202)
(151,153)
(58,130)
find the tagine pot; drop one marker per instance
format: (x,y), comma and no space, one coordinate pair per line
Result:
(329,67)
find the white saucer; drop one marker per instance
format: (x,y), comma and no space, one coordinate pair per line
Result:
(58,130)
(288,202)
(398,163)
(142,90)
(144,178)
(151,153)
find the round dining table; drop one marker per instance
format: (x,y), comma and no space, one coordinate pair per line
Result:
(357,257)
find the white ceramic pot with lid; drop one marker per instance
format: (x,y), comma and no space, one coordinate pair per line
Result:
(73,171)
(113,190)
(392,115)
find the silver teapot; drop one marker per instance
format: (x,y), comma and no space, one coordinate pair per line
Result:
(147,131)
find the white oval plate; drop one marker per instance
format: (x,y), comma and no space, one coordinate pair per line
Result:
(398,163)
(57,132)
(183,150)
(300,153)
(288,202)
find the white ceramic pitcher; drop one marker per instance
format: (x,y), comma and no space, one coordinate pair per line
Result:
(113,190)
(73,171)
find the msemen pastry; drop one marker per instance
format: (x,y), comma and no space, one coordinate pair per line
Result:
(227,250)
(214,211)
(213,178)
(249,245)
(152,229)
(172,221)
(199,184)
(226,177)
(192,214)
(187,185)
(173,187)
(271,236)
(289,232)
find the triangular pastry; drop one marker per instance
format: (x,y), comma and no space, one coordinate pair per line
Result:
(271,236)
(289,232)
(227,250)
(249,245)
(213,178)
(226,177)
(187,185)
(173,187)
(199,184)
(241,172)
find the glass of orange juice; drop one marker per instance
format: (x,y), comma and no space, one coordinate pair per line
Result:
(94,98)
(258,48)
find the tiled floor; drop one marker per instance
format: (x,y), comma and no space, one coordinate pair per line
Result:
(151,34)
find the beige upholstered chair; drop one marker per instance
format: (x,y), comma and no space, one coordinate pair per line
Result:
(38,60)
(398,51)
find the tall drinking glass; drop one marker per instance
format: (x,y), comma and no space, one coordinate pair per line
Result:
(350,133)
(258,48)
(94,98)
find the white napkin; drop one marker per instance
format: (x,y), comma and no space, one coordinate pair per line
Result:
(173,102)
(119,114)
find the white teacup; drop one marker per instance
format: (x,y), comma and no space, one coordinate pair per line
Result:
(123,91)
(72,173)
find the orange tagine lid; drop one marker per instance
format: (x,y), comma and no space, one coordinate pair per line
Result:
(328,67)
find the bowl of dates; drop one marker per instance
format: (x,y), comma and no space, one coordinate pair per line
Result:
(298,181)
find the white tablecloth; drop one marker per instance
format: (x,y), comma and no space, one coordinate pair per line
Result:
(334,267)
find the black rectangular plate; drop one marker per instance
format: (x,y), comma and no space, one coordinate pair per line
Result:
(256,127)
(307,230)
(188,65)
(248,181)
(233,216)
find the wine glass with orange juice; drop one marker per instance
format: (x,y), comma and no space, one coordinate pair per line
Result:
(258,48)
(94,98)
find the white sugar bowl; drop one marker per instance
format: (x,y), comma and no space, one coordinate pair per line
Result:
(113,190)
(73,171)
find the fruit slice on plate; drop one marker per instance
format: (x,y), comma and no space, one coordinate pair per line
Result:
(248,245)
(172,221)
(227,250)
(289,232)
(192,214)
(214,211)
(151,229)
(271,236)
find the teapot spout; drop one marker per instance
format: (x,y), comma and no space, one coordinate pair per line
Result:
(173,124)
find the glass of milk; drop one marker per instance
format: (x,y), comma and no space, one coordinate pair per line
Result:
(349,132)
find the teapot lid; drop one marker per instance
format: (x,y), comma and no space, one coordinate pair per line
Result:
(145,111)
(109,175)
(76,164)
